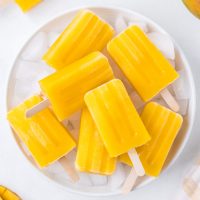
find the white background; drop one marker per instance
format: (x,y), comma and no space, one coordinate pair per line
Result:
(16,28)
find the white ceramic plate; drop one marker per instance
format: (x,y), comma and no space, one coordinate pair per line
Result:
(16,84)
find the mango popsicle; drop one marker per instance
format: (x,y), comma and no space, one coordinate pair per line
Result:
(66,88)
(143,64)
(116,118)
(91,154)
(44,136)
(163,126)
(85,34)
(26,5)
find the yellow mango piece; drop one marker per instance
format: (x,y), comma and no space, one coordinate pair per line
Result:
(26,5)
(116,118)
(193,6)
(43,134)
(142,63)
(66,88)
(6,194)
(85,34)
(91,154)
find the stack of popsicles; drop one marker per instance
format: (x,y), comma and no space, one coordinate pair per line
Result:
(111,129)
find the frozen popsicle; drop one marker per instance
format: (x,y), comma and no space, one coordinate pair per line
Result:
(26,5)
(66,88)
(117,120)
(163,126)
(91,154)
(143,64)
(85,34)
(44,136)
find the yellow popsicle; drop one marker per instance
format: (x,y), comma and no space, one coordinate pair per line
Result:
(143,64)
(163,126)
(44,136)
(116,118)
(91,154)
(26,5)
(67,87)
(85,34)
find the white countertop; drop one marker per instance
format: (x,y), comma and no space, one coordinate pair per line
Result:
(16,27)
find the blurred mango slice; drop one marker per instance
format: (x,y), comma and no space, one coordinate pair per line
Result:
(6,194)
(26,5)
(193,6)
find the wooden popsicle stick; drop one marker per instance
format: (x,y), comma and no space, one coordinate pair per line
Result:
(129,182)
(170,100)
(37,108)
(139,169)
(69,169)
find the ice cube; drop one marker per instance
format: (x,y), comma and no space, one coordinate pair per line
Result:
(118,177)
(31,72)
(52,36)
(142,25)
(181,195)
(46,68)
(25,88)
(25,149)
(120,24)
(181,87)
(16,100)
(98,180)
(54,168)
(27,70)
(63,178)
(163,43)
(84,179)
(36,47)
(183,103)
(59,25)
(40,76)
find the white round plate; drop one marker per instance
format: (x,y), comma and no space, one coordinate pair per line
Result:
(23,83)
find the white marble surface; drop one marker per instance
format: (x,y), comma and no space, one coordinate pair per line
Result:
(15,29)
